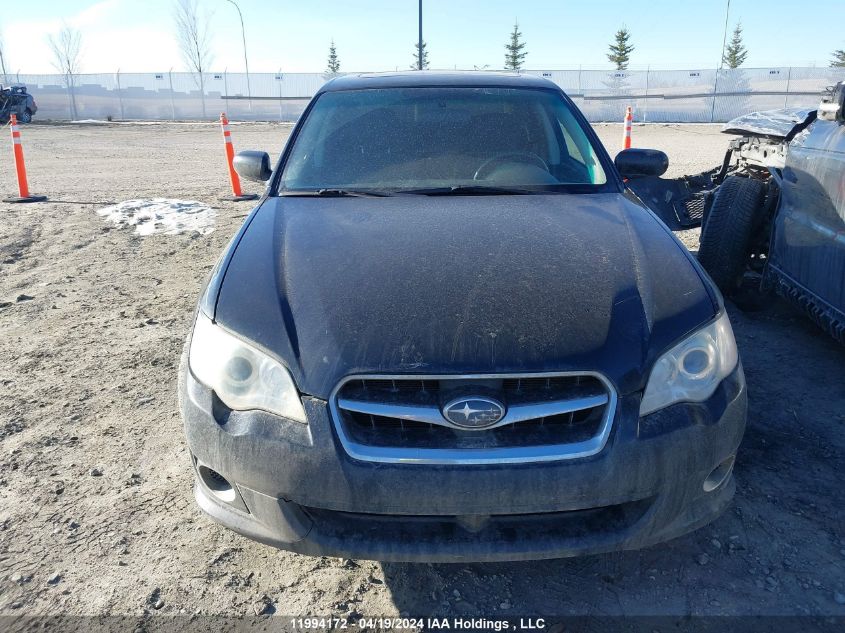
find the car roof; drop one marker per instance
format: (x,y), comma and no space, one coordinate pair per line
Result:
(435,78)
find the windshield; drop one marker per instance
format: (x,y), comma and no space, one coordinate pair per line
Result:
(418,139)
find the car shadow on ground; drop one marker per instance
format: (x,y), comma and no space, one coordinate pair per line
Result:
(779,549)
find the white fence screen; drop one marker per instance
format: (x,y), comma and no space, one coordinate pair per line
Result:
(698,96)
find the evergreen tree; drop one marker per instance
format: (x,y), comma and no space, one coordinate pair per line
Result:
(515,52)
(735,53)
(420,50)
(838,60)
(333,67)
(621,49)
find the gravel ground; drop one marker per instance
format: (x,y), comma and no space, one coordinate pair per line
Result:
(96,510)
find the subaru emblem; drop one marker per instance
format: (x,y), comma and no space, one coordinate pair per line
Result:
(473,412)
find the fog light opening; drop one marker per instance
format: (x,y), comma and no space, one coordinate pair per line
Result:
(217,484)
(719,475)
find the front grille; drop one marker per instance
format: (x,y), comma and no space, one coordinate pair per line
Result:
(399,419)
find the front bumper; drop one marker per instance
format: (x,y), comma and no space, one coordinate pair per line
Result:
(295,488)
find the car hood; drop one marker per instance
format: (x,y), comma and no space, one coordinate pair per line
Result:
(449,285)
(772,123)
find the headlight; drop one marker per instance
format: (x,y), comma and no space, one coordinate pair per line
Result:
(240,375)
(691,371)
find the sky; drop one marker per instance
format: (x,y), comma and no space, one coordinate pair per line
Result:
(371,35)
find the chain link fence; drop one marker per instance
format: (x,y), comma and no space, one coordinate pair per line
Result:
(692,96)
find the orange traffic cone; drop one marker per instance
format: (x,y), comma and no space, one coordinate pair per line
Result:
(20,167)
(237,194)
(629,122)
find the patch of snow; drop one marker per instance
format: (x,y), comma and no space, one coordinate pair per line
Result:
(161,215)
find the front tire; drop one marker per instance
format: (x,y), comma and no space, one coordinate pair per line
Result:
(726,236)
(25,117)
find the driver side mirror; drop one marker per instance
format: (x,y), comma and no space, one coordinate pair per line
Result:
(636,162)
(253,165)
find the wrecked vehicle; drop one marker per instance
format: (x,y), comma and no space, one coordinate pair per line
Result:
(16,100)
(776,207)
(448,333)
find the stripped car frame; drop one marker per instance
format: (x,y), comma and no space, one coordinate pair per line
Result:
(780,199)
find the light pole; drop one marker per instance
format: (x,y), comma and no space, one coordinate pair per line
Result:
(246,63)
(721,63)
(420,44)
(725,34)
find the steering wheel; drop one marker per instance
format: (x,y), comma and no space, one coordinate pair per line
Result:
(524,157)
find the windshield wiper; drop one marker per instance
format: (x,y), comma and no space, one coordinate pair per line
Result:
(335,193)
(468,190)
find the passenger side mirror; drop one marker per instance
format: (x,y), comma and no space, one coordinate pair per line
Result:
(832,107)
(253,165)
(633,163)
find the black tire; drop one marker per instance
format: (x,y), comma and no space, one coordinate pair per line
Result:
(25,117)
(726,236)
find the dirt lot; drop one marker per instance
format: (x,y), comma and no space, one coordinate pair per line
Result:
(96,510)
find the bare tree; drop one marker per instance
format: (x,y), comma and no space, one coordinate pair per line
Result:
(2,60)
(67,59)
(194,38)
